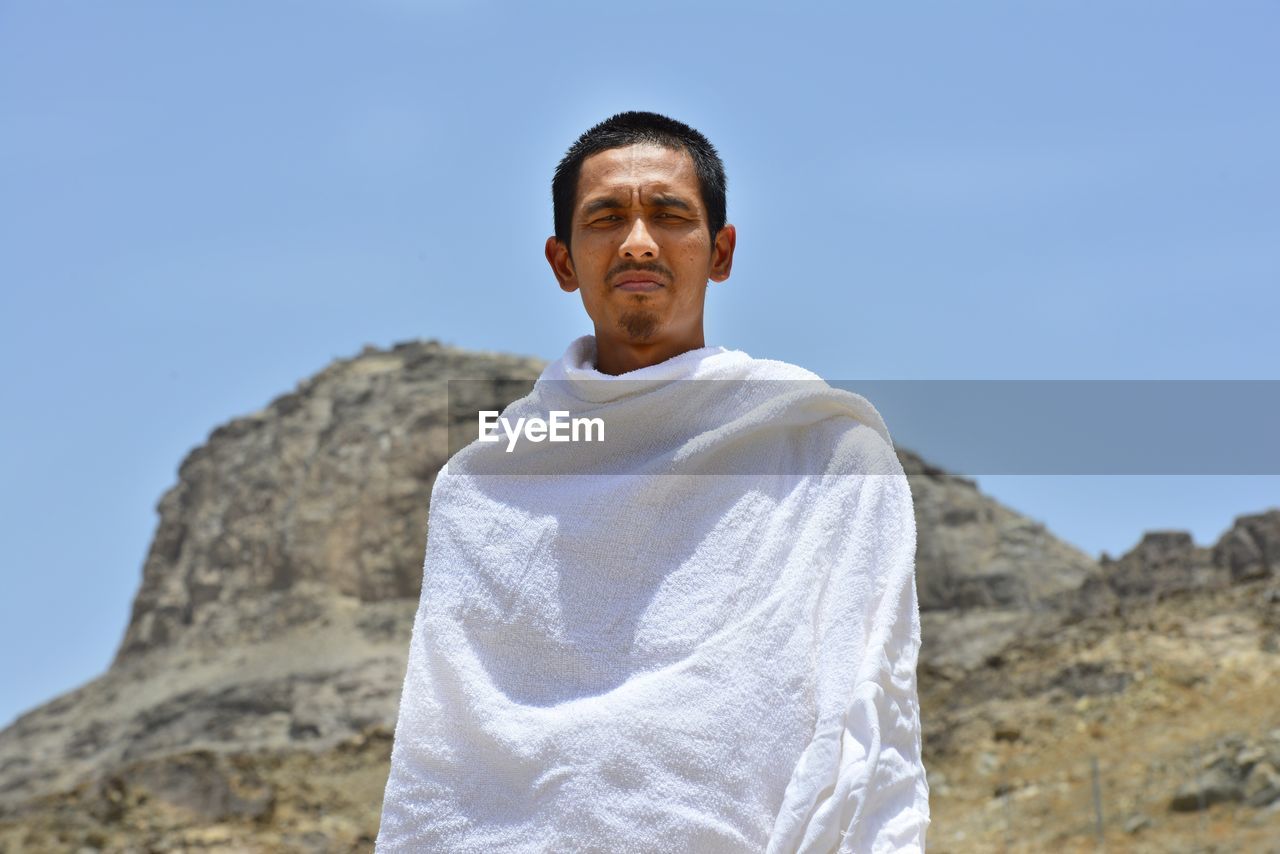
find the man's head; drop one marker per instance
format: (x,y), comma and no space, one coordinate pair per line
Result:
(633,128)
(641,197)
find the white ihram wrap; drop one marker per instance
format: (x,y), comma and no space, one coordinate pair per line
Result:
(699,635)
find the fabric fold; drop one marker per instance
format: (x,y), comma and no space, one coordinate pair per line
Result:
(861,787)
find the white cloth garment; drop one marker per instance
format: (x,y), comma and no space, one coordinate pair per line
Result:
(702,638)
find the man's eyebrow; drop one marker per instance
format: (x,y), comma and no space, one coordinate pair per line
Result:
(666,200)
(601,205)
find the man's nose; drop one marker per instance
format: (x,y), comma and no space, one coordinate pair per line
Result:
(639,243)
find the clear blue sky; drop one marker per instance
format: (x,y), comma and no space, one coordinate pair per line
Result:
(201,204)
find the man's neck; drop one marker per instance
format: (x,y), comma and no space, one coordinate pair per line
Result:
(620,357)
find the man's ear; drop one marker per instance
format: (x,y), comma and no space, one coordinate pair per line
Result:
(722,253)
(561,264)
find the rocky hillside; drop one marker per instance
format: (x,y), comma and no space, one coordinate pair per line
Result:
(277,595)
(252,700)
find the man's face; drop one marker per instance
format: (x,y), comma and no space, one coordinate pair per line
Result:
(641,252)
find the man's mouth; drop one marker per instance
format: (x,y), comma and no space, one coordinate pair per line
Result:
(637,282)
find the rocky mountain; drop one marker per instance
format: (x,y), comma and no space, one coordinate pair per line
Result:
(251,703)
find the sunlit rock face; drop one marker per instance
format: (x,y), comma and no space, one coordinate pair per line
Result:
(279,590)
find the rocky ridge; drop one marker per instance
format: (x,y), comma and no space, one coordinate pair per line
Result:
(252,700)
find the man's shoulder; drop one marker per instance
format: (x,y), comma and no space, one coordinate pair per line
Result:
(860,448)
(776,369)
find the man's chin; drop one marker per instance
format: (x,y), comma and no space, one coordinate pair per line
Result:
(639,326)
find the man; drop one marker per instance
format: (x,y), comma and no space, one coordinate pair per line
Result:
(698,634)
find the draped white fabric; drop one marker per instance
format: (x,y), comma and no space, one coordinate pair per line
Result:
(699,635)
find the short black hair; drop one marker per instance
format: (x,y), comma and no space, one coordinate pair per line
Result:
(630,128)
